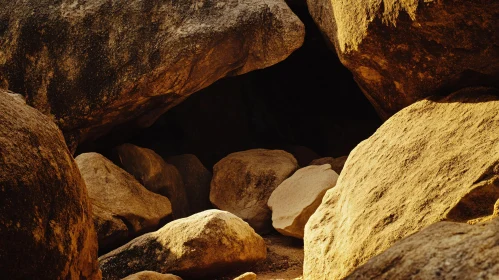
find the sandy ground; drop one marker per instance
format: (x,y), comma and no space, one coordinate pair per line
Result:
(284,260)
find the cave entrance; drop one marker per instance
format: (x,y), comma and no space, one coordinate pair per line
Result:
(309,100)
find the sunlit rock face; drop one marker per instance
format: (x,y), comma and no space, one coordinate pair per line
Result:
(443,250)
(91,65)
(404,50)
(46,229)
(437,159)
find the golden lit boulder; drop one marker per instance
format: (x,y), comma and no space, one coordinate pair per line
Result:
(123,208)
(46,229)
(93,65)
(243,182)
(203,244)
(443,250)
(151,275)
(401,51)
(155,175)
(296,199)
(435,160)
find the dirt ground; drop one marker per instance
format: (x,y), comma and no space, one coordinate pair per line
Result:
(284,260)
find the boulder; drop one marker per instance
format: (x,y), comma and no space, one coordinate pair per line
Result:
(123,207)
(437,159)
(196,181)
(402,51)
(296,199)
(96,64)
(336,163)
(155,174)
(243,182)
(444,250)
(246,276)
(151,275)
(202,244)
(46,230)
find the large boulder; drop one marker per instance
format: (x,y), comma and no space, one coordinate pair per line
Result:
(436,160)
(123,207)
(151,275)
(46,229)
(296,199)
(92,65)
(444,250)
(202,244)
(196,179)
(401,51)
(155,174)
(243,182)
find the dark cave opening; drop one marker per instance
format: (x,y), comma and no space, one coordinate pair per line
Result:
(309,100)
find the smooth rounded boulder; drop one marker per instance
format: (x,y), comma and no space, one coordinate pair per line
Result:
(151,275)
(123,208)
(437,159)
(155,174)
(97,64)
(46,229)
(203,244)
(402,51)
(243,182)
(296,199)
(196,179)
(444,250)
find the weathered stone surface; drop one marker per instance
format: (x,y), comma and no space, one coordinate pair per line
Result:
(296,199)
(151,275)
(404,50)
(123,208)
(243,182)
(435,160)
(95,64)
(199,245)
(46,230)
(444,250)
(156,175)
(336,163)
(196,181)
(246,276)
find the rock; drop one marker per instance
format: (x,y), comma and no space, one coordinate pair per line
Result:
(46,231)
(246,276)
(302,154)
(336,163)
(151,275)
(155,174)
(296,199)
(404,50)
(436,160)
(199,245)
(196,181)
(444,250)
(98,64)
(243,182)
(123,207)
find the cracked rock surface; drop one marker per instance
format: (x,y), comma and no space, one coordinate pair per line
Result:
(437,159)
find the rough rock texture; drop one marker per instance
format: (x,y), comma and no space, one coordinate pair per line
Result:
(246,276)
(196,181)
(444,250)
(336,163)
(195,246)
(435,160)
(123,208)
(156,175)
(151,275)
(95,64)
(401,51)
(45,216)
(243,182)
(296,199)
